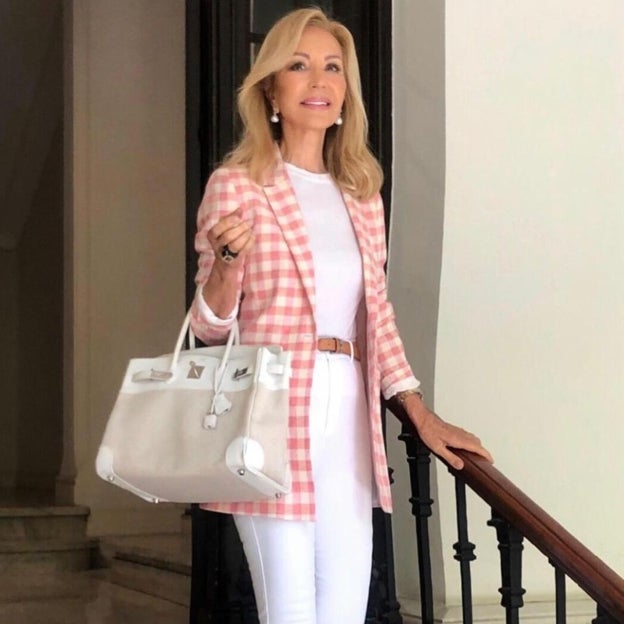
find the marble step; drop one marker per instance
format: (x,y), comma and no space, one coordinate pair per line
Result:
(158,565)
(43,540)
(45,556)
(42,522)
(80,597)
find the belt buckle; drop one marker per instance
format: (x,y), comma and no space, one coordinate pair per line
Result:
(338,348)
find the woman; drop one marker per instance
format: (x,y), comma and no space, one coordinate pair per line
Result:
(291,241)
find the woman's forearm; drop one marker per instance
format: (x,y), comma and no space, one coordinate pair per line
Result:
(220,290)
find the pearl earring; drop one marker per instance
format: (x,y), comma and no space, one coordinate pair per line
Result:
(338,121)
(274,118)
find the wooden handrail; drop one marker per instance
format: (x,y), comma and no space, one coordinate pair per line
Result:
(592,575)
(566,552)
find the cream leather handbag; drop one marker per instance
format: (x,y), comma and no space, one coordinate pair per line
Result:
(206,424)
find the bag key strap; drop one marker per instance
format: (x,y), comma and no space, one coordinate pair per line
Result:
(220,403)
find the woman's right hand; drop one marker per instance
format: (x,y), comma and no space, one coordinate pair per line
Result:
(220,290)
(237,235)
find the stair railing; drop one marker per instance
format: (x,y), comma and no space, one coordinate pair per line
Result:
(515,517)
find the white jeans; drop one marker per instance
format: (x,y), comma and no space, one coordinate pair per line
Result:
(319,572)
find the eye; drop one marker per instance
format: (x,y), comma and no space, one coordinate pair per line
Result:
(296,66)
(334,67)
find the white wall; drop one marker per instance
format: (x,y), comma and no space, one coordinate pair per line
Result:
(530,337)
(126,206)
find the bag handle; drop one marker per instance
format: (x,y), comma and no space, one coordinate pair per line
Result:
(233,339)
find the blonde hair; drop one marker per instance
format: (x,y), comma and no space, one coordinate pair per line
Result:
(346,154)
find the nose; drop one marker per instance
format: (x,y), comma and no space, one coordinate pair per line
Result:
(317,77)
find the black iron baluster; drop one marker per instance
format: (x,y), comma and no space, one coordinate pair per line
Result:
(392,612)
(602,617)
(419,461)
(383,607)
(560,596)
(510,548)
(464,550)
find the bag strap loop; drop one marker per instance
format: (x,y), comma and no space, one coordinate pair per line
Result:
(233,339)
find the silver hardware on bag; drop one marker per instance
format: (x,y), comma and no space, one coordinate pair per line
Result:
(195,371)
(241,373)
(152,375)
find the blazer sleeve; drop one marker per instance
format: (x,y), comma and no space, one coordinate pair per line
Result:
(221,197)
(396,373)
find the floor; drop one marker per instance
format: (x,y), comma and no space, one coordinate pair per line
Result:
(81,598)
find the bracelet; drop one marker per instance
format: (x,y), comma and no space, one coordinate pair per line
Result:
(403,394)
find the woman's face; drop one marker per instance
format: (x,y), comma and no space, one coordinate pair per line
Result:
(309,92)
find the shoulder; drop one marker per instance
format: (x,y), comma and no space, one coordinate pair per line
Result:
(372,206)
(229,188)
(227,176)
(373,216)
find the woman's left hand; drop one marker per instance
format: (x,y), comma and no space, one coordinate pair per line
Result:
(441,436)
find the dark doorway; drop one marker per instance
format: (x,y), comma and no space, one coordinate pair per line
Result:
(31,252)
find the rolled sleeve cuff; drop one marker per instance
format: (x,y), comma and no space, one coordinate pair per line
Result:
(209,316)
(399,386)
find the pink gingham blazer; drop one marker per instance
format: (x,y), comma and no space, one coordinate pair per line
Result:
(277,307)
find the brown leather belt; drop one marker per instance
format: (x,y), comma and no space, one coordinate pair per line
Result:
(335,345)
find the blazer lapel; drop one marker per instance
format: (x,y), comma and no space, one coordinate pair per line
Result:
(358,219)
(283,203)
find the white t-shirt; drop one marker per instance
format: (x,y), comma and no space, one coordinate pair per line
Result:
(339,282)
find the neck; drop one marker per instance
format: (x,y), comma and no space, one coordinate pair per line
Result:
(304,151)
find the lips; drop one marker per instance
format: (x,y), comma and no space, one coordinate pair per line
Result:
(316,102)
